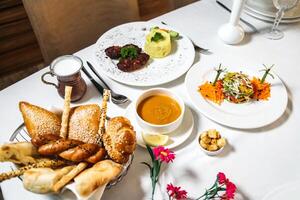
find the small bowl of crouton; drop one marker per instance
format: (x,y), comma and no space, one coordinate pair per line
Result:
(211,142)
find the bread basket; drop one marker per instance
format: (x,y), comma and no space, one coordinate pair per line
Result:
(21,135)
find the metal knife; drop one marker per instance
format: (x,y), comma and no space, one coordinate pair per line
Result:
(98,75)
(1,195)
(242,20)
(97,85)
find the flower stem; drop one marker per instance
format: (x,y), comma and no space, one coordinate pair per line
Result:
(153,187)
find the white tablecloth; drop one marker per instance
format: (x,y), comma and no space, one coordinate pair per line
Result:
(258,161)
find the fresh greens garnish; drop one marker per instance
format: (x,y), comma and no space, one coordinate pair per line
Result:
(267,72)
(157,36)
(129,52)
(174,34)
(219,71)
(154,28)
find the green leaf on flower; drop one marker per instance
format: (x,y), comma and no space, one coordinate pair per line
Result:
(155,167)
(150,152)
(147,165)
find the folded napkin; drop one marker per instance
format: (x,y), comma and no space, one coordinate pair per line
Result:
(69,193)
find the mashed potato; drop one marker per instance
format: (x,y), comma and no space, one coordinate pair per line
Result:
(160,48)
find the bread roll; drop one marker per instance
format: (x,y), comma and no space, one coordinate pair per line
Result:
(119,139)
(58,146)
(100,155)
(19,153)
(40,140)
(80,153)
(42,180)
(98,175)
(39,121)
(84,123)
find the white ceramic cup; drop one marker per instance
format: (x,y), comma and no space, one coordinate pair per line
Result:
(154,128)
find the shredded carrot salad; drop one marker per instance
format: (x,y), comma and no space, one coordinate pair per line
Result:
(212,92)
(261,91)
(236,87)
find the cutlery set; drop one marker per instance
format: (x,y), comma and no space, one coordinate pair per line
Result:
(115,97)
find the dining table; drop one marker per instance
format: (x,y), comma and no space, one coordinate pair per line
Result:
(259,161)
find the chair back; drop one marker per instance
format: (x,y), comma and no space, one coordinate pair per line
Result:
(66,26)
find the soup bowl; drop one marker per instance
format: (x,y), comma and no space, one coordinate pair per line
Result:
(159,128)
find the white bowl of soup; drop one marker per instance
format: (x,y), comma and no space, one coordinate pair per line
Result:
(159,110)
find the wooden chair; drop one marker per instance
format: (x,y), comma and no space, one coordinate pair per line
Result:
(65,26)
(153,8)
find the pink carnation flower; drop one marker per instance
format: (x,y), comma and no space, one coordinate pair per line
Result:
(176,193)
(230,190)
(163,154)
(222,178)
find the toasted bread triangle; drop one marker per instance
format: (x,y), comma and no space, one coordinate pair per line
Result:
(84,123)
(39,121)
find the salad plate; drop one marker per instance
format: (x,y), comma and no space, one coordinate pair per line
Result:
(251,114)
(157,70)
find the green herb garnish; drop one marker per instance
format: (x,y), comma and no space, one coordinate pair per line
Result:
(173,34)
(129,52)
(154,28)
(267,72)
(157,36)
(219,71)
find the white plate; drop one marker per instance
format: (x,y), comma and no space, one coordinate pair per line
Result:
(176,138)
(270,10)
(288,191)
(253,114)
(157,71)
(267,17)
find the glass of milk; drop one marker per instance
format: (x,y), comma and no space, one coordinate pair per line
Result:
(67,71)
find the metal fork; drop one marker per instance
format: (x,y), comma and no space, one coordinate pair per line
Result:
(115,97)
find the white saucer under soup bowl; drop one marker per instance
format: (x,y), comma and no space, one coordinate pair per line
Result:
(159,128)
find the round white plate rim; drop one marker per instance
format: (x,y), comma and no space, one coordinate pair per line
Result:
(187,134)
(281,189)
(270,14)
(222,118)
(188,65)
(263,17)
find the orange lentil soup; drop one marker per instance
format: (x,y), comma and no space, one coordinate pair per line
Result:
(159,109)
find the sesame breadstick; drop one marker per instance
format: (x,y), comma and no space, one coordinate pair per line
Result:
(66,111)
(21,170)
(68,177)
(106,94)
